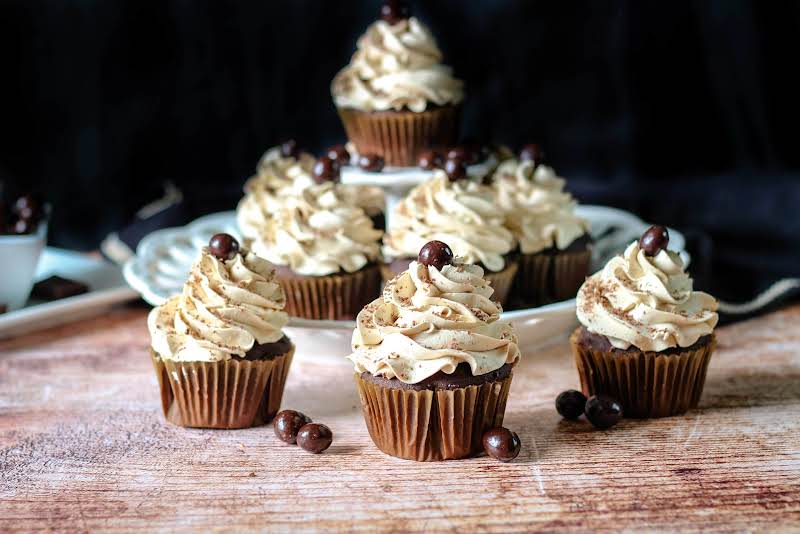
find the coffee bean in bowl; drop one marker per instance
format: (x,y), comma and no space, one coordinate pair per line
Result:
(23,232)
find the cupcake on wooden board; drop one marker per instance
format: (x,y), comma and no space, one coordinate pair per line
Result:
(646,337)
(396,98)
(326,249)
(218,348)
(554,243)
(460,213)
(433,364)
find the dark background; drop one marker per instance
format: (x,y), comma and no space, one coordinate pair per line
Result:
(683,112)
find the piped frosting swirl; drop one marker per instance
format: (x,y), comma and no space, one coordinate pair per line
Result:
(396,66)
(429,321)
(645,301)
(226,307)
(317,232)
(462,214)
(537,210)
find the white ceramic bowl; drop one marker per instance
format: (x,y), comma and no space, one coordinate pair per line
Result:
(20,255)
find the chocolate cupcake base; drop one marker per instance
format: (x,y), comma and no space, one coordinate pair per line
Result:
(333,297)
(442,418)
(400,136)
(552,275)
(646,383)
(234,393)
(501,281)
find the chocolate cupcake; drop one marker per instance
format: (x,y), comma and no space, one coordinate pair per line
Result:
(464,215)
(326,250)
(646,337)
(279,175)
(218,348)
(396,98)
(554,243)
(433,365)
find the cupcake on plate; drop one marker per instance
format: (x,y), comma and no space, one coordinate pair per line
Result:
(460,213)
(433,365)
(396,98)
(218,348)
(646,337)
(280,171)
(285,170)
(554,243)
(326,250)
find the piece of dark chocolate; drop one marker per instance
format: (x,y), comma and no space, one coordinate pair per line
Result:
(56,287)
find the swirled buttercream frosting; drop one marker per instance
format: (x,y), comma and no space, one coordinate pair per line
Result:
(316,232)
(537,210)
(396,66)
(226,307)
(462,214)
(645,301)
(276,177)
(429,321)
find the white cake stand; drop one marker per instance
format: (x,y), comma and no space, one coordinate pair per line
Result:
(163,260)
(398,181)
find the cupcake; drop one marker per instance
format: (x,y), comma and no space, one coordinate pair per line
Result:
(396,98)
(554,243)
(646,336)
(326,250)
(283,171)
(461,213)
(218,348)
(279,172)
(433,365)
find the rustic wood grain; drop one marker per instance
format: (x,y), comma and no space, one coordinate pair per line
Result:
(83,446)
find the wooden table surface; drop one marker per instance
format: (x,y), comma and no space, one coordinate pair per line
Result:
(83,446)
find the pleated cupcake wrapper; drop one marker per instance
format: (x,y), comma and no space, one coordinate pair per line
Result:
(227,394)
(546,278)
(647,384)
(400,136)
(502,281)
(336,296)
(431,425)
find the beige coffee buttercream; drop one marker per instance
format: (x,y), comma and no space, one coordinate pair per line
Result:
(396,66)
(429,321)
(462,214)
(645,301)
(226,307)
(317,232)
(537,210)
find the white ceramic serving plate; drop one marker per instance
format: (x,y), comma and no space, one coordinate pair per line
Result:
(105,279)
(396,182)
(164,258)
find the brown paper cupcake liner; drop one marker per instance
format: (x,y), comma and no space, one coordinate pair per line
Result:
(545,278)
(647,384)
(432,425)
(227,394)
(502,281)
(336,296)
(400,136)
